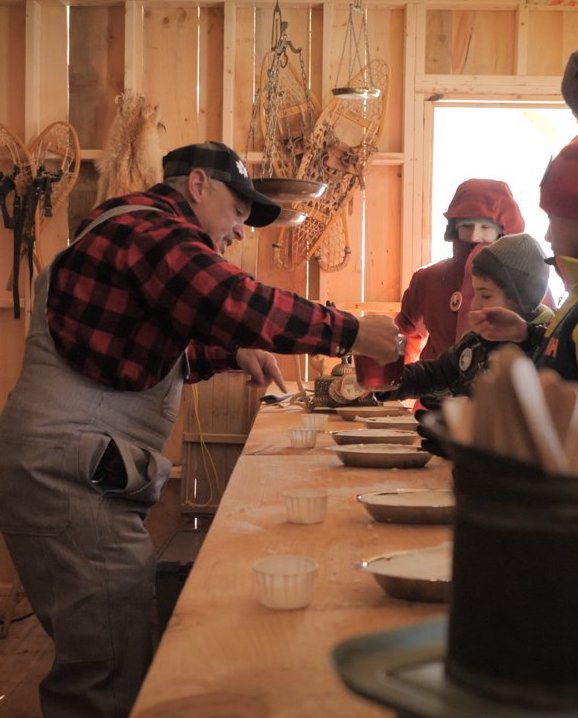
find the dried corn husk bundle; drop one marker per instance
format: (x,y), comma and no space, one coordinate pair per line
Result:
(132,158)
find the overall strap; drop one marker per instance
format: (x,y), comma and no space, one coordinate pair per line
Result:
(114,212)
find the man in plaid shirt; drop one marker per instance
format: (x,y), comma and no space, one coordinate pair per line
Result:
(142,301)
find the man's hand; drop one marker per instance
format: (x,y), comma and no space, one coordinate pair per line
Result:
(377,338)
(498,325)
(262,366)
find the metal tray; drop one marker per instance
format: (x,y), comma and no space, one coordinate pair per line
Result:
(404,670)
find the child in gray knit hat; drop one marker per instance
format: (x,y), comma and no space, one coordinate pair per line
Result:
(516,263)
(511,273)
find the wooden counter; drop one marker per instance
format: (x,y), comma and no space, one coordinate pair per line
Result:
(225,655)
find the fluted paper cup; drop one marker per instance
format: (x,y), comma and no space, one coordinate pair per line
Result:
(285,582)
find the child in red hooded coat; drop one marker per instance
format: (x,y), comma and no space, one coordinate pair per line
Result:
(437,300)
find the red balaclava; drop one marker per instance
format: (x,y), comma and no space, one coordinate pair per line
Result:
(479,199)
(484,199)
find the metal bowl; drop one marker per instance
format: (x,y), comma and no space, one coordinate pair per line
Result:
(388,408)
(289,218)
(410,506)
(381,456)
(422,575)
(406,423)
(374,436)
(288,189)
(356,93)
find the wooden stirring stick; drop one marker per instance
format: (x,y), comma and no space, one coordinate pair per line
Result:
(561,398)
(512,435)
(458,414)
(528,391)
(571,446)
(487,422)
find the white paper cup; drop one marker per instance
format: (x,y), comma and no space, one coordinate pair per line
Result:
(302,438)
(285,582)
(306,506)
(315,421)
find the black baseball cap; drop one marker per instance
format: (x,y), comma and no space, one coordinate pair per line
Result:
(223,164)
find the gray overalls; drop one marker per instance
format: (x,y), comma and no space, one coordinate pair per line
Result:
(76,533)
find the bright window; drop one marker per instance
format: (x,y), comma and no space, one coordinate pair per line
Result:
(513,144)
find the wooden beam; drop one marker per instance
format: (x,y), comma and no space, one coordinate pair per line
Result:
(229,42)
(133,46)
(514,86)
(522,41)
(411,253)
(32,74)
(328,21)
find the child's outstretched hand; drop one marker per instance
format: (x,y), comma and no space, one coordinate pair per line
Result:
(498,325)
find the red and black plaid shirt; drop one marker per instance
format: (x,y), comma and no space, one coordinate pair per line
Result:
(129,297)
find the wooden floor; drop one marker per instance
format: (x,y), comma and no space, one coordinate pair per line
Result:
(25,657)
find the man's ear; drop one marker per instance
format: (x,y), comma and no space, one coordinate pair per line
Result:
(196,183)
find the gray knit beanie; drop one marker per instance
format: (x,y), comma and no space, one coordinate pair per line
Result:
(516,263)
